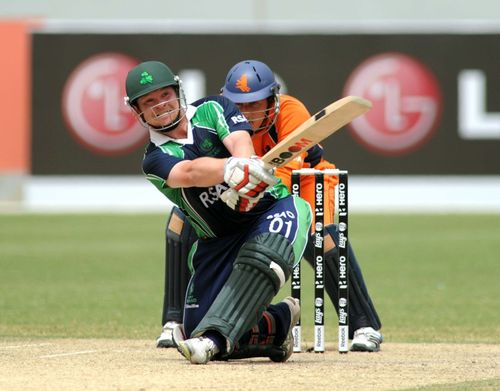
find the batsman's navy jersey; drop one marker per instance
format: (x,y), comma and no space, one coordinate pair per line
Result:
(210,120)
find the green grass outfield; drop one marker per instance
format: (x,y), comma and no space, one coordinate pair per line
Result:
(433,278)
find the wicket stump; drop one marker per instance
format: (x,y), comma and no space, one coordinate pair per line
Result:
(341,206)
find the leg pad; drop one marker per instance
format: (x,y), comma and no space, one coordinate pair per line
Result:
(258,272)
(180,237)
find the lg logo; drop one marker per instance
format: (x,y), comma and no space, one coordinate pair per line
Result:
(93,108)
(406,103)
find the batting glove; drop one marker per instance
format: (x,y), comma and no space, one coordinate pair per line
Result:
(240,203)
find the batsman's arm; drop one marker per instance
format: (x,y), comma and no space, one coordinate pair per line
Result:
(209,171)
(200,172)
(239,144)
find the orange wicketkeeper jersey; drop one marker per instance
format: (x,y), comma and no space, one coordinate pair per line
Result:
(292,114)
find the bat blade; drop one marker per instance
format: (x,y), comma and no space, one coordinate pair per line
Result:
(317,128)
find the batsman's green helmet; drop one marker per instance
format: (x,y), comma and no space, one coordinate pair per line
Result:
(148,76)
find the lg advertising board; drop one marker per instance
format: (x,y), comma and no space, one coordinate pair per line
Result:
(436,110)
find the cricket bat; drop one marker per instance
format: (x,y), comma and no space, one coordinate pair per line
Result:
(317,128)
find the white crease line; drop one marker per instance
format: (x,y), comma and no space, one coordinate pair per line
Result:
(68,354)
(24,346)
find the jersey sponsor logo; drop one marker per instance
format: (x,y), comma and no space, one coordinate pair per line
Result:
(238,119)
(93,108)
(212,194)
(242,84)
(406,104)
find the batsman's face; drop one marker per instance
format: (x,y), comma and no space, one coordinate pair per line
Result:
(257,113)
(159,108)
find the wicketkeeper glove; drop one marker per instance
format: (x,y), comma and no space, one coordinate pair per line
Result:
(248,176)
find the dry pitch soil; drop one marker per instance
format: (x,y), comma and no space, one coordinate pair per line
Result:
(69,364)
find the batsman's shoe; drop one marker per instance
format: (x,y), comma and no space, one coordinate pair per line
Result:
(172,333)
(287,346)
(366,339)
(198,350)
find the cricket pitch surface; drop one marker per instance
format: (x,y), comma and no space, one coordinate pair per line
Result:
(104,364)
